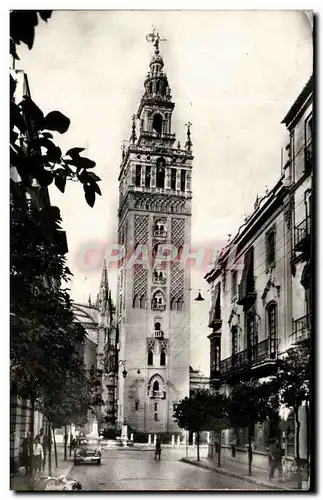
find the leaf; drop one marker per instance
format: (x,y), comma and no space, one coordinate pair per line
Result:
(89,195)
(74,152)
(44,177)
(47,135)
(94,176)
(22,26)
(55,120)
(85,163)
(45,14)
(96,188)
(60,182)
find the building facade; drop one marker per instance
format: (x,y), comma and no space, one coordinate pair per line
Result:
(261,284)
(198,382)
(153,305)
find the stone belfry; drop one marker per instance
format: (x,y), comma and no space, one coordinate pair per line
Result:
(153,306)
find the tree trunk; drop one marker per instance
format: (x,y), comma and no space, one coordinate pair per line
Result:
(219,451)
(55,448)
(65,443)
(198,445)
(49,449)
(249,450)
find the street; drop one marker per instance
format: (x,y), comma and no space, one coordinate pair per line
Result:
(137,470)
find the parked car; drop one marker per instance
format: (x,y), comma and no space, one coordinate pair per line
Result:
(87,450)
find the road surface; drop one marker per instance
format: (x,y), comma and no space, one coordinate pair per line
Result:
(137,470)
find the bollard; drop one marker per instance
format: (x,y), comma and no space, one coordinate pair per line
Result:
(131,437)
(194,438)
(149,439)
(173,440)
(208,438)
(178,440)
(155,439)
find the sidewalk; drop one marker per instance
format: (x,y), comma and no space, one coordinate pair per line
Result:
(20,482)
(239,470)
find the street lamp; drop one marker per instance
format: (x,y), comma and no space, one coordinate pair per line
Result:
(124,372)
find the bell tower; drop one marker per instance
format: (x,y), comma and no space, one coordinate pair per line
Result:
(153,307)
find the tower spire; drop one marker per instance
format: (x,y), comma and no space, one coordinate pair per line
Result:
(188,144)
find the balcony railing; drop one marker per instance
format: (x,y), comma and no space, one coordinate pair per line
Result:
(157,394)
(160,280)
(301,329)
(249,358)
(158,334)
(160,234)
(246,292)
(302,232)
(158,307)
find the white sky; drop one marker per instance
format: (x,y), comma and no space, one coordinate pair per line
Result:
(233,74)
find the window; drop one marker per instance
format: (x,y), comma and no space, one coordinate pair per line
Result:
(158,302)
(234,338)
(162,358)
(180,304)
(272,327)
(252,337)
(150,360)
(234,283)
(143,302)
(270,247)
(160,180)
(157,123)
(136,302)
(157,325)
(147,178)
(156,386)
(156,406)
(138,175)
(156,417)
(173,304)
(183,180)
(173,179)
(136,405)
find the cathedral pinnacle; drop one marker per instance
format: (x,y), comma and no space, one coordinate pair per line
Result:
(188,144)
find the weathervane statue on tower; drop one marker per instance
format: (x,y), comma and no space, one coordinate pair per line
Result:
(154,38)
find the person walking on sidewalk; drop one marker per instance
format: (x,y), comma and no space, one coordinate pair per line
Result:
(25,455)
(275,459)
(157,449)
(38,455)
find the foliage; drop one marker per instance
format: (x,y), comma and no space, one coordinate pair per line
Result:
(192,413)
(33,154)
(293,377)
(218,412)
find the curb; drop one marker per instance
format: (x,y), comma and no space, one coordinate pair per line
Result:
(238,476)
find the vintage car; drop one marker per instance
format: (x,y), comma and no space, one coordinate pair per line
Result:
(87,450)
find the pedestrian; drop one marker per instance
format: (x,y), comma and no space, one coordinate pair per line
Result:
(25,455)
(38,455)
(157,449)
(275,459)
(45,445)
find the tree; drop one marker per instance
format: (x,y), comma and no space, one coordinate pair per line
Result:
(191,414)
(218,416)
(252,402)
(33,154)
(293,387)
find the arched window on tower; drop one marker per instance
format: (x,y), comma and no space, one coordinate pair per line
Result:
(160,178)
(163,358)
(143,302)
(173,304)
(157,326)
(156,386)
(180,304)
(136,302)
(157,123)
(150,360)
(158,302)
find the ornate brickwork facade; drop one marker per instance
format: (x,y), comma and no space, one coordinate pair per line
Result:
(154,295)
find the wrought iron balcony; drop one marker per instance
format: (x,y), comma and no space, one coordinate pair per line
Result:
(247,293)
(249,359)
(160,280)
(158,307)
(160,234)
(302,234)
(157,394)
(301,329)
(158,334)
